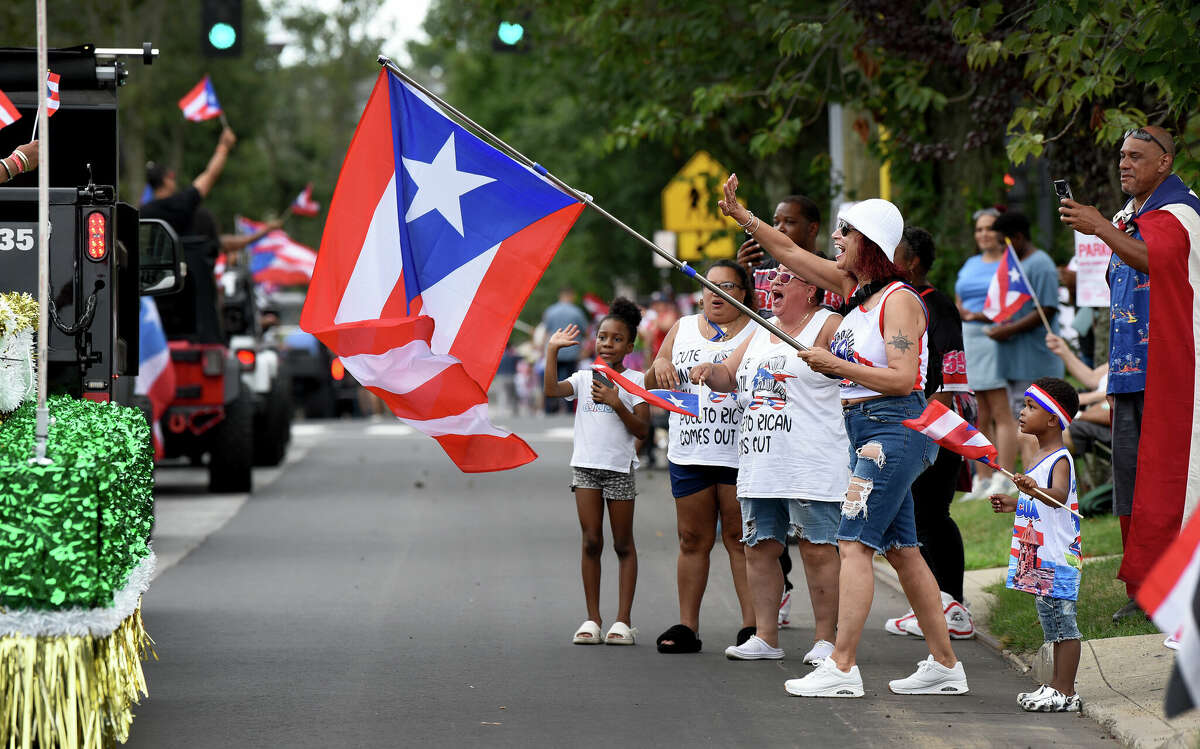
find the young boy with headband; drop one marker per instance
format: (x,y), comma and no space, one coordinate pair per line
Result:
(1046,551)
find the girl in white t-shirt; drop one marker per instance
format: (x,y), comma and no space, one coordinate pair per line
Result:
(607,422)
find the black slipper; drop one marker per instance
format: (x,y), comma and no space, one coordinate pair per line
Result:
(745,633)
(683,640)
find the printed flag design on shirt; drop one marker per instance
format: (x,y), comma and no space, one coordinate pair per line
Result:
(277,258)
(689,402)
(156,373)
(953,432)
(1171,597)
(433,242)
(630,386)
(8,112)
(52,95)
(1008,290)
(200,103)
(304,205)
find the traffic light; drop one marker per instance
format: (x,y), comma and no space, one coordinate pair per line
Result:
(221,28)
(510,37)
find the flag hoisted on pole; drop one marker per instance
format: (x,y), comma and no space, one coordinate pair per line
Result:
(304,205)
(201,103)
(433,242)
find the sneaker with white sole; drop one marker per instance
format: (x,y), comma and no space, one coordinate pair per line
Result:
(978,488)
(1052,701)
(754,649)
(785,609)
(1023,697)
(821,650)
(932,677)
(896,626)
(958,621)
(827,680)
(1000,484)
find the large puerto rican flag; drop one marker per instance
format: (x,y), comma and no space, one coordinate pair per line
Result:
(433,242)
(1168,470)
(1170,596)
(276,258)
(1008,290)
(156,374)
(200,103)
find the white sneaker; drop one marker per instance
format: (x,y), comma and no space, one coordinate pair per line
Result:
(785,609)
(821,650)
(827,680)
(958,621)
(1052,701)
(1024,697)
(978,485)
(1171,643)
(1001,484)
(896,626)
(932,677)
(754,649)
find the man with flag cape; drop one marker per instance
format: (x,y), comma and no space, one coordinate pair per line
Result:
(1156,424)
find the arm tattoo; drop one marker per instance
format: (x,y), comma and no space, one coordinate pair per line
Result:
(901,342)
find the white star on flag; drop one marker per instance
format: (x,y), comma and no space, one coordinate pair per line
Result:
(1014,276)
(675,401)
(440,186)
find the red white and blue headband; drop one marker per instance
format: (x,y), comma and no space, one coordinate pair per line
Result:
(1046,401)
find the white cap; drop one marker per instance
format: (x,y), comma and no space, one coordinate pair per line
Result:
(879,221)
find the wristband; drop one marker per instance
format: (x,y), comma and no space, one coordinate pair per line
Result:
(6,169)
(22,158)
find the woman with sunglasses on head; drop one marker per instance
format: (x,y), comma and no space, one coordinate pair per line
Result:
(702,453)
(792,471)
(879,354)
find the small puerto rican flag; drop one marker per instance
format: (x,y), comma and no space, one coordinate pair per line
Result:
(1008,290)
(650,397)
(8,112)
(52,98)
(304,205)
(952,432)
(200,103)
(689,402)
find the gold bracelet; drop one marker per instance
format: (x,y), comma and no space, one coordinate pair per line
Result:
(6,169)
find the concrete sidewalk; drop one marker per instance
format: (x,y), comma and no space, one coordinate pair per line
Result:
(1122,680)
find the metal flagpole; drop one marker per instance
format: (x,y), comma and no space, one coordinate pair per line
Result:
(42,424)
(587,199)
(1032,294)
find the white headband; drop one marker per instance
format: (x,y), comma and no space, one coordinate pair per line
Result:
(1046,401)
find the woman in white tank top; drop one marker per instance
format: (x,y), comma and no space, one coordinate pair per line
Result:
(792,469)
(702,454)
(879,354)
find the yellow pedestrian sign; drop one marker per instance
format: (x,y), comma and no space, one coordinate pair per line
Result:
(688,203)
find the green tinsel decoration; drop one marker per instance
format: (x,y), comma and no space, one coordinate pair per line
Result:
(71,531)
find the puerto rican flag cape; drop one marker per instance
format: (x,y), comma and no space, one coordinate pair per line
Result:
(156,373)
(1168,470)
(1171,597)
(433,242)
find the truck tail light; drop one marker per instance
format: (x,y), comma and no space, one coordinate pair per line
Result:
(213,363)
(96,246)
(246,357)
(337,370)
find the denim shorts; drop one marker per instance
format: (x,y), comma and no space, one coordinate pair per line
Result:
(765,519)
(886,520)
(816,522)
(1058,619)
(689,479)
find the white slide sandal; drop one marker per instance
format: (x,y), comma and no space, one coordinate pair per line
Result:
(587,634)
(620,633)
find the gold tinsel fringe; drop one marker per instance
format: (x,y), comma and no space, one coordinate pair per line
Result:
(71,692)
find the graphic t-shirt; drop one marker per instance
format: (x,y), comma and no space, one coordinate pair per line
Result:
(601,439)
(1047,553)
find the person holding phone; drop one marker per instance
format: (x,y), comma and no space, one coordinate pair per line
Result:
(607,422)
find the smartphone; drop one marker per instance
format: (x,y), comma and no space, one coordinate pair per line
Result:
(1062,189)
(600,378)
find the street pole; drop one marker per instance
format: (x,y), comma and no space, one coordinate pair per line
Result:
(587,200)
(42,423)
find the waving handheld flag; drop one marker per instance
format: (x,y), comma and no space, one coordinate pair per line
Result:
(304,205)
(8,112)
(200,103)
(277,258)
(677,404)
(434,241)
(689,402)
(1008,290)
(52,93)
(156,373)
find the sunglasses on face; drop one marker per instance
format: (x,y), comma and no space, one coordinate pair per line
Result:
(783,276)
(728,286)
(1141,134)
(844,228)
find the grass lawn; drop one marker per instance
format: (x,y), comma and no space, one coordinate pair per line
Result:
(1014,618)
(987,537)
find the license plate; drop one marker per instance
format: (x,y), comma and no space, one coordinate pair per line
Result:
(16,237)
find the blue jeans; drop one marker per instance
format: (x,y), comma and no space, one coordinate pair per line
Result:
(885,519)
(1058,619)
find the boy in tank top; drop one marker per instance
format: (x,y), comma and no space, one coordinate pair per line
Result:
(1046,551)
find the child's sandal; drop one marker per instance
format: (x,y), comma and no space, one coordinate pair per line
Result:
(587,634)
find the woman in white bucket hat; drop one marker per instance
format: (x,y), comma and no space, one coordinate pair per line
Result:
(880,355)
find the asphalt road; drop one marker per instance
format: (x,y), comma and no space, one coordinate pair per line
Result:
(373,596)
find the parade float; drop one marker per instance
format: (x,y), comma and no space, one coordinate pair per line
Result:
(75,557)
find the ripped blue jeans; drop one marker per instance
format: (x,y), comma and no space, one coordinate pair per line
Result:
(885,458)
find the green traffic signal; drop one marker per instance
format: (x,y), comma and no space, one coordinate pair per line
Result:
(510,33)
(222,36)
